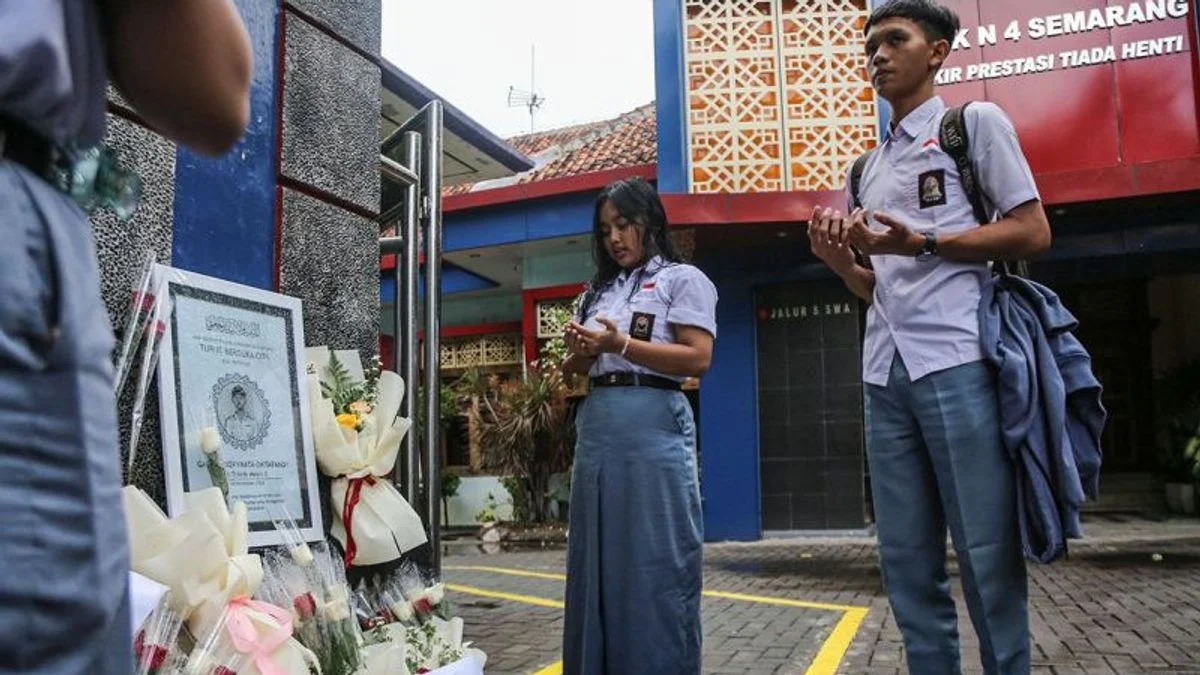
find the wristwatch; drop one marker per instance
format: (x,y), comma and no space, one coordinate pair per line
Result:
(929,248)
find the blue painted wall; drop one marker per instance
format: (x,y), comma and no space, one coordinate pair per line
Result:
(454,280)
(515,223)
(670,96)
(729,392)
(729,419)
(225,208)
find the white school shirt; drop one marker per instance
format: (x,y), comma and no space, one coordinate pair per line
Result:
(668,294)
(927,310)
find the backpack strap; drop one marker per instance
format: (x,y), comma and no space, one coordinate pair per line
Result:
(956,142)
(856,174)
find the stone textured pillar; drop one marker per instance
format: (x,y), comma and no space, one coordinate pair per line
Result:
(329,182)
(289,209)
(121,245)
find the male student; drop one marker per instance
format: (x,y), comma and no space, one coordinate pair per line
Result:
(933,429)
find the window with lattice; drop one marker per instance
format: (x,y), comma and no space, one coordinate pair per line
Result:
(481,351)
(552,317)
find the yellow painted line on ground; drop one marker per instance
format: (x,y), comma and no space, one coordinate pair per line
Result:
(509,571)
(761,599)
(552,669)
(826,662)
(782,602)
(513,597)
(832,652)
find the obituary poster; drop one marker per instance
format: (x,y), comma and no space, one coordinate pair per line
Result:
(231,376)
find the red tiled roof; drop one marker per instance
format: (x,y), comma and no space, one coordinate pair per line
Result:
(627,140)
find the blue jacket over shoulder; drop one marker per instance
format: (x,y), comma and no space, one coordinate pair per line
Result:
(1050,409)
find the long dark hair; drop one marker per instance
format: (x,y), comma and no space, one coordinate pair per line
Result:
(637,201)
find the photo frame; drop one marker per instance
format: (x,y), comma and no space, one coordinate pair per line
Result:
(234,402)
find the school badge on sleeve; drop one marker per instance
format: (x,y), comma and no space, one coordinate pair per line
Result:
(641,326)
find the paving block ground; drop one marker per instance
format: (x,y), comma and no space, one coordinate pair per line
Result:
(1127,602)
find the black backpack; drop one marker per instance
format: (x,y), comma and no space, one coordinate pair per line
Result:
(956,143)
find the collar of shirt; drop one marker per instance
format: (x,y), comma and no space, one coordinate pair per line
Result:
(651,267)
(915,121)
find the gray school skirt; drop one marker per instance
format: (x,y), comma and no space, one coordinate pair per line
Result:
(636,537)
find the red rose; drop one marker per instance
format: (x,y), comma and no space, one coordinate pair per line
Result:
(223,670)
(155,658)
(306,606)
(139,644)
(423,670)
(386,616)
(423,606)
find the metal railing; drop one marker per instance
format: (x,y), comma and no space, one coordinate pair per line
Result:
(418,218)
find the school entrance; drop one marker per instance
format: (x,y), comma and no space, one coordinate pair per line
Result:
(810,407)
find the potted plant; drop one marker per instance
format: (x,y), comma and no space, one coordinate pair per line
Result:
(1178,435)
(525,431)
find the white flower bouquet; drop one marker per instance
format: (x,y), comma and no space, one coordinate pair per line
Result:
(357,436)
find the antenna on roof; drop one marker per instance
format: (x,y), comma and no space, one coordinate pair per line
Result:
(530,100)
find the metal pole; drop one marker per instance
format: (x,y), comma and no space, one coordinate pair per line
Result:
(407,270)
(431,175)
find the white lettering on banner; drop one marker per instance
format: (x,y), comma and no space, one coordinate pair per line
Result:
(962,40)
(1114,16)
(1088,57)
(1145,48)
(987,35)
(1080,21)
(1070,23)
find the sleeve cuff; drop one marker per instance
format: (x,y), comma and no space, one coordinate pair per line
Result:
(688,317)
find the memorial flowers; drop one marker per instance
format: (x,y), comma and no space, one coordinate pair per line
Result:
(357,436)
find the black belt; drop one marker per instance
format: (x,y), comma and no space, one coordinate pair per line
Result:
(636,380)
(20,144)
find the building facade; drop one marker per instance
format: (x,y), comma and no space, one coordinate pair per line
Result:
(761,107)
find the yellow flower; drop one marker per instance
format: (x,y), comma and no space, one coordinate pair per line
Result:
(348,421)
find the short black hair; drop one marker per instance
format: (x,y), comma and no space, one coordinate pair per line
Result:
(938,22)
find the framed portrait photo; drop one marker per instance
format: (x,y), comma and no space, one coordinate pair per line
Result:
(234,402)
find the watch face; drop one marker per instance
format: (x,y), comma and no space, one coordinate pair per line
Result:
(929,248)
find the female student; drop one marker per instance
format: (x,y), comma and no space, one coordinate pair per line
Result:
(646,323)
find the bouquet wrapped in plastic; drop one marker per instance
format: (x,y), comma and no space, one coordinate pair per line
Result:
(357,436)
(250,637)
(201,555)
(155,645)
(311,582)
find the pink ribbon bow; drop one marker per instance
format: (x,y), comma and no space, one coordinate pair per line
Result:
(246,638)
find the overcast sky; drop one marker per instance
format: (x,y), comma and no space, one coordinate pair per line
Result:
(595,60)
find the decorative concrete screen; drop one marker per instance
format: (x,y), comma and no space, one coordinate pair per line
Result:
(482,351)
(778,95)
(550,316)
